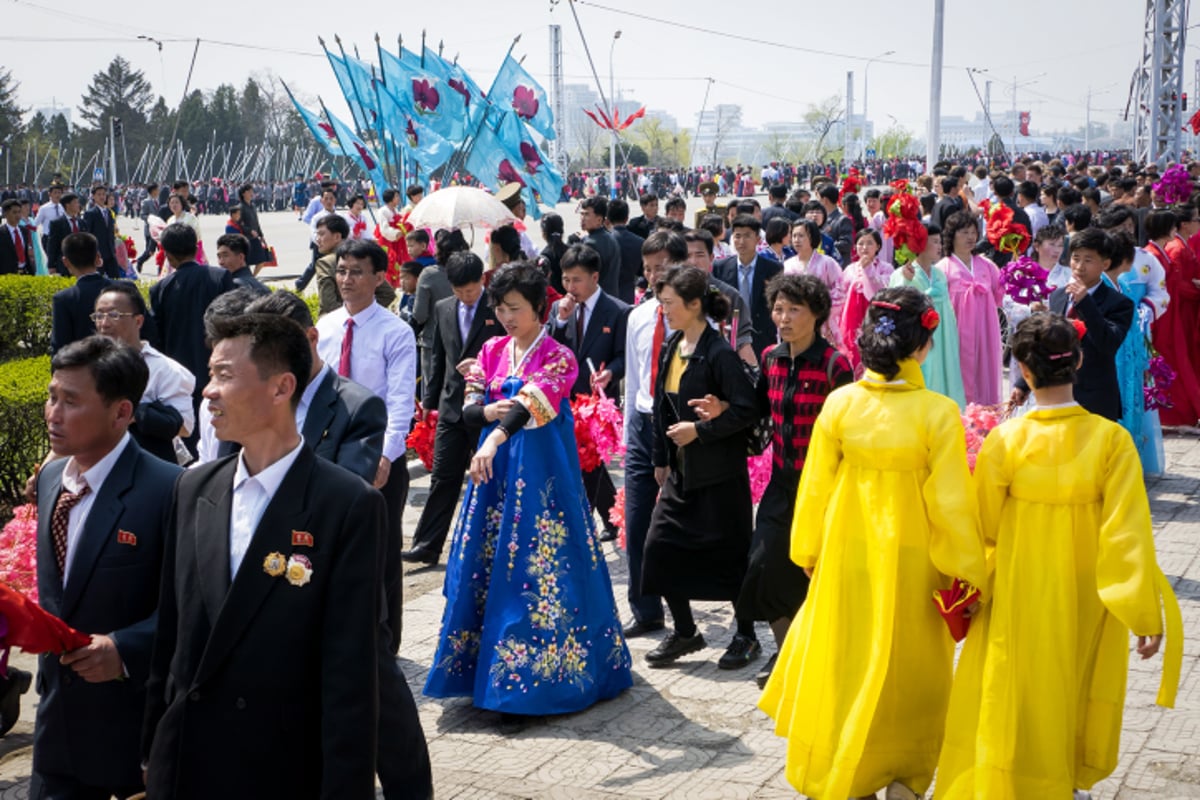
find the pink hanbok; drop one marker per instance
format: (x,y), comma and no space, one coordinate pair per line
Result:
(976,294)
(859,285)
(829,272)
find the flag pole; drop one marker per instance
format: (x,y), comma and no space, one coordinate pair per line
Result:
(455,164)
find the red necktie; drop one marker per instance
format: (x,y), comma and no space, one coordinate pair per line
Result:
(74,225)
(60,520)
(19,243)
(660,333)
(347,345)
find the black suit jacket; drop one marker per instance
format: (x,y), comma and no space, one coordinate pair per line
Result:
(90,731)
(259,687)
(59,230)
(99,223)
(345,424)
(630,245)
(444,386)
(9,265)
(604,243)
(244,279)
(177,303)
(726,270)
(71,309)
(603,342)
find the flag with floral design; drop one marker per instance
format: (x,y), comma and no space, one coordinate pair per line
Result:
(515,90)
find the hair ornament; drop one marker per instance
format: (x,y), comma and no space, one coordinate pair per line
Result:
(885,326)
(930,319)
(886,304)
(1058,356)
(1080,327)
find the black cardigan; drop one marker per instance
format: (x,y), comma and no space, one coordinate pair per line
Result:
(719,452)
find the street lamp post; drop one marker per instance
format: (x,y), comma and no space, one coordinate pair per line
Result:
(866,79)
(612,142)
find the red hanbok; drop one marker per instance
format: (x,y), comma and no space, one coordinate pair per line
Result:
(1177,331)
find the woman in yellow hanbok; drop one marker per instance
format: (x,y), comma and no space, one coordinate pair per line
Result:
(884,517)
(1036,706)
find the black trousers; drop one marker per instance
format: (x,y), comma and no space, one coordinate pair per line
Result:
(600,493)
(45,786)
(311,270)
(453,445)
(395,494)
(402,757)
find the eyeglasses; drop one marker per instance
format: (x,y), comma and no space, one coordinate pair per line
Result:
(352,274)
(111,316)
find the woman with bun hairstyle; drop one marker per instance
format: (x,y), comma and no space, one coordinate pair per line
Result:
(884,517)
(698,543)
(1036,706)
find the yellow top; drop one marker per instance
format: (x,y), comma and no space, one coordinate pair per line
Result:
(675,368)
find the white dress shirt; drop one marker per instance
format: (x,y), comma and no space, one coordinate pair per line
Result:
(383,358)
(251,496)
(47,214)
(317,217)
(307,396)
(94,478)
(639,347)
(170,382)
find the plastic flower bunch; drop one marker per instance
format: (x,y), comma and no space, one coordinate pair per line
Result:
(18,551)
(903,225)
(1157,388)
(978,420)
(420,438)
(759,467)
(1004,234)
(1174,186)
(599,429)
(1024,280)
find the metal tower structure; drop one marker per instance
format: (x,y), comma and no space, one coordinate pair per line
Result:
(1158,83)
(558,147)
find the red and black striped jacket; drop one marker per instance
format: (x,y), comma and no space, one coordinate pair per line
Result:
(793,391)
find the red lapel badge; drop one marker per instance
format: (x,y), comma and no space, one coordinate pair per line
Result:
(606,329)
(302,539)
(125,537)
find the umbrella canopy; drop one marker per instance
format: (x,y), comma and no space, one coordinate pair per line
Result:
(460,207)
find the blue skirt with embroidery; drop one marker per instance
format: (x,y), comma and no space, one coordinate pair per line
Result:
(530,625)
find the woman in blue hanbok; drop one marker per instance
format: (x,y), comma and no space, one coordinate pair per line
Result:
(530,625)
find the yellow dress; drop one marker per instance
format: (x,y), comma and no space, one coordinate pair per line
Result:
(1037,699)
(886,514)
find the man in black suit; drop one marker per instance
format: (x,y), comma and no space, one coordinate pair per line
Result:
(72,308)
(461,325)
(60,229)
(264,679)
(593,213)
(630,245)
(16,242)
(749,273)
(232,251)
(1106,313)
(344,423)
(592,324)
(949,203)
(837,225)
(102,519)
(98,221)
(178,301)
(644,225)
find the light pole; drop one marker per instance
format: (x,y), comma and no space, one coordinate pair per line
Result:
(866,78)
(612,142)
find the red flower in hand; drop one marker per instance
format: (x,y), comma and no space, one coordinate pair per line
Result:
(1080,328)
(525,102)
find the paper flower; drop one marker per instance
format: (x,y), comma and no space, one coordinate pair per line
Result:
(599,429)
(1004,234)
(903,226)
(1157,389)
(978,421)
(420,439)
(18,551)
(525,102)
(759,467)
(616,517)
(425,96)
(1024,281)
(1174,186)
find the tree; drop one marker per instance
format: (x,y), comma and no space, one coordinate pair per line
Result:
(253,109)
(895,141)
(780,147)
(727,120)
(195,127)
(656,141)
(122,92)
(225,116)
(58,130)
(10,112)
(820,120)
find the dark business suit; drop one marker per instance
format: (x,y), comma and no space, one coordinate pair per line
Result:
(88,733)
(71,310)
(604,243)
(630,245)
(244,279)
(455,439)
(1107,314)
(99,223)
(604,344)
(259,687)
(59,230)
(765,268)
(9,263)
(177,303)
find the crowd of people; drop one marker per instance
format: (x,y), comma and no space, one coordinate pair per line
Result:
(266,609)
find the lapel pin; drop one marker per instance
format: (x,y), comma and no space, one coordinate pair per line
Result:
(606,329)
(299,570)
(274,564)
(302,539)
(125,537)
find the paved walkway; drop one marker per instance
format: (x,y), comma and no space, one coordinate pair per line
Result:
(693,732)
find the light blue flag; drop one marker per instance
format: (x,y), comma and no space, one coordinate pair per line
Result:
(407,129)
(472,97)
(358,150)
(494,166)
(322,131)
(438,106)
(358,107)
(514,89)
(537,171)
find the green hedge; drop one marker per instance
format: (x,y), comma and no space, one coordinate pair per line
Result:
(25,304)
(23,441)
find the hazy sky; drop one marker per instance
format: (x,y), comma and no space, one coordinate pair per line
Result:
(765,62)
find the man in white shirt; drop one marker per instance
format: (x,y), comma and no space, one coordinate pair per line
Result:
(373,347)
(1027,199)
(165,411)
(49,212)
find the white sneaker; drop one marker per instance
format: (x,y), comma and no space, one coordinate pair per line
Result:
(1080,794)
(898,791)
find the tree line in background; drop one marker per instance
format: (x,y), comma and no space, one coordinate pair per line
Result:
(223,120)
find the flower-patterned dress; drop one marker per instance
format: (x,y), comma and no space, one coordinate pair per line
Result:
(530,625)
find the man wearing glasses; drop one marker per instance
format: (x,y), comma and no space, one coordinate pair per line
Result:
(165,410)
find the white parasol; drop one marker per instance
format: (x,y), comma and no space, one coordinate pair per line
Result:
(460,207)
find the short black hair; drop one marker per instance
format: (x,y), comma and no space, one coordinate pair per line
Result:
(508,239)
(581,255)
(959,220)
(118,370)
(700,235)
(1092,239)
(464,268)
(646,198)
(228,304)
(277,345)
(419,235)
(245,187)
(413,190)
(80,250)
(692,283)
(67,199)
(672,242)
(674,203)
(746,221)
(618,212)
(597,204)
(178,240)
(1159,223)
(884,345)
(777,231)
(335,224)
(131,292)
(1114,216)
(286,304)
(446,242)
(1028,190)
(235,242)
(9,205)
(1078,215)
(811,229)
(521,277)
(828,192)
(1003,186)
(389,195)
(806,290)
(414,268)
(364,250)
(1049,347)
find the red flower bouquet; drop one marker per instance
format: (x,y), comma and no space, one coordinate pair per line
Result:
(978,421)
(599,429)
(18,551)
(420,438)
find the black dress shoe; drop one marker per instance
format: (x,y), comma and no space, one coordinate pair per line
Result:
(608,535)
(673,647)
(639,628)
(741,651)
(419,555)
(11,688)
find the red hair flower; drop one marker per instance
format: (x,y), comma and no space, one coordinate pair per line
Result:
(930,319)
(1080,328)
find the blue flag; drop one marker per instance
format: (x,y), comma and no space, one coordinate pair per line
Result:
(407,129)
(536,170)
(322,131)
(467,91)
(358,108)
(437,105)
(493,165)
(358,150)
(514,89)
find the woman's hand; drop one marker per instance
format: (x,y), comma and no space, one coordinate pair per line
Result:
(708,407)
(909,272)
(465,366)
(682,433)
(497,410)
(1148,645)
(481,462)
